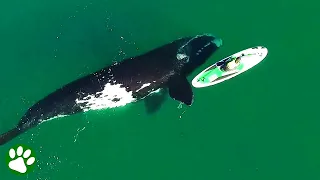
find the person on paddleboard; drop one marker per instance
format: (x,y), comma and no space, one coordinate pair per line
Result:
(225,67)
(231,65)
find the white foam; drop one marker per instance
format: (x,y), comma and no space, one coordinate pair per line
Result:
(106,97)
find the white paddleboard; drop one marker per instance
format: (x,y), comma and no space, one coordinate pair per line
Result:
(229,67)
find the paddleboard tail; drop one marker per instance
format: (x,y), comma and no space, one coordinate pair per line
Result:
(8,136)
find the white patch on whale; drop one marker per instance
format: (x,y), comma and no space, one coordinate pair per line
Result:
(156,91)
(55,117)
(182,56)
(143,86)
(110,97)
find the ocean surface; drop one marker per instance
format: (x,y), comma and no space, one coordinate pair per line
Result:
(261,125)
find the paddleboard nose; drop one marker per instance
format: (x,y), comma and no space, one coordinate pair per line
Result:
(262,51)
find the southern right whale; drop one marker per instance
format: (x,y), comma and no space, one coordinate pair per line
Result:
(125,82)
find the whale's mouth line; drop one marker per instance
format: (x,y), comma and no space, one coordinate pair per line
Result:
(184,52)
(196,37)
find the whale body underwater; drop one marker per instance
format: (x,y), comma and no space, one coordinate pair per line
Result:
(125,82)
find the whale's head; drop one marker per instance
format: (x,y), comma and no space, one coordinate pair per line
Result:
(195,51)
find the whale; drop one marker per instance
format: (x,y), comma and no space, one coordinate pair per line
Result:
(124,82)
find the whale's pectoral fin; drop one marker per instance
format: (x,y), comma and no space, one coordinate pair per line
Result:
(180,89)
(154,102)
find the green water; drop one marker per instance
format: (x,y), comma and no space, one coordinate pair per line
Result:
(261,125)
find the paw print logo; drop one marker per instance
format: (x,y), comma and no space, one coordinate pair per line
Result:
(20,160)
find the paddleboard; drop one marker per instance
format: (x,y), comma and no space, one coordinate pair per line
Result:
(230,67)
